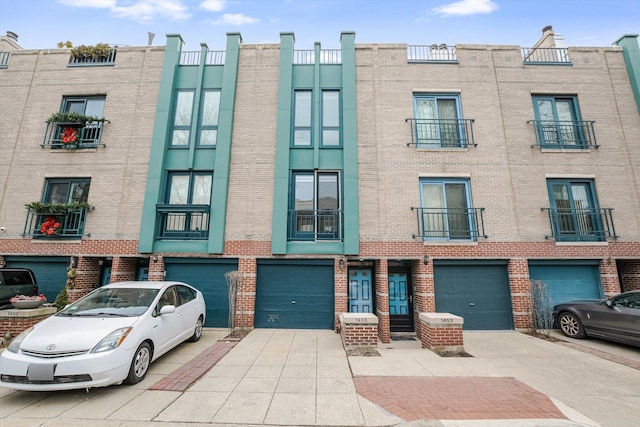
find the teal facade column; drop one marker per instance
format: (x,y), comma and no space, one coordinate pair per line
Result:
(631,52)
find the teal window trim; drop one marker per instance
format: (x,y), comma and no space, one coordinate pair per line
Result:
(558,122)
(315,206)
(181,124)
(446,213)
(209,118)
(574,211)
(302,111)
(444,127)
(331,118)
(76,191)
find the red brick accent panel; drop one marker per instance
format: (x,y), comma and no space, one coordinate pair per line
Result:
(15,325)
(123,269)
(359,330)
(246,299)
(441,330)
(382,300)
(630,274)
(156,268)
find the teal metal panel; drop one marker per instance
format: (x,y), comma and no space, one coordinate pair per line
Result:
(478,293)
(207,275)
(315,248)
(631,53)
(568,282)
(295,295)
(50,272)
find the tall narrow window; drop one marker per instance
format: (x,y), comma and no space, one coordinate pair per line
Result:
(302,118)
(438,121)
(188,199)
(445,210)
(574,210)
(209,119)
(182,118)
(557,121)
(315,206)
(330,118)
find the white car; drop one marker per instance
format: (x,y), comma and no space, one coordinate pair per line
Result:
(107,337)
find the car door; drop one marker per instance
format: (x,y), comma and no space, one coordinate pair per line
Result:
(621,320)
(170,328)
(187,309)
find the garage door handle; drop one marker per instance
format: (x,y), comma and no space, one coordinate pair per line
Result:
(293,302)
(471,304)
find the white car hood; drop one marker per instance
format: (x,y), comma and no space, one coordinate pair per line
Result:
(72,333)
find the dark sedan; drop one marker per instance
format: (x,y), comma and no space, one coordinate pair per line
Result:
(615,319)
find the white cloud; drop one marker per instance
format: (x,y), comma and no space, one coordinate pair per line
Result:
(102,4)
(213,5)
(235,19)
(466,7)
(137,10)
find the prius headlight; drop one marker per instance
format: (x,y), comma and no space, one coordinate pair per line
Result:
(112,341)
(15,344)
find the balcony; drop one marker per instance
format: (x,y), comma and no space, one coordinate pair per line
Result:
(432,53)
(4,59)
(314,225)
(74,135)
(308,56)
(182,222)
(564,134)
(62,222)
(546,55)
(450,223)
(441,133)
(581,225)
(212,57)
(89,56)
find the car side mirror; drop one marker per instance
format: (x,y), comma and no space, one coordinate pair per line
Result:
(167,309)
(608,303)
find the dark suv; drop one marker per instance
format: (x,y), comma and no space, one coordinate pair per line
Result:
(16,281)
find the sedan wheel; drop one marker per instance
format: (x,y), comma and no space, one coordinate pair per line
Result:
(571,325)
(139,364)
(197,333)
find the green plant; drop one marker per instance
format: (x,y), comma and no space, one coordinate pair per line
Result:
(59,208)
(100,50)
(62,299)
(67,116)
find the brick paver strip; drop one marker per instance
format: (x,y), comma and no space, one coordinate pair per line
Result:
(183,377)
(456,398)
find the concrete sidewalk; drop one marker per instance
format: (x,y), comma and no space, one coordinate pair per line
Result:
(302,377)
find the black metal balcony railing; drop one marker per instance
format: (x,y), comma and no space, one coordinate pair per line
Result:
(441,133)
(450,223)
(432,53)
(182,222)
(108,59)
(87,136)
(564,134)
(581,224)
(4,59)
(55,225)
(545,55)
(314,225)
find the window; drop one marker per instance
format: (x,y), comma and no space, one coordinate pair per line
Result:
(557,121)
(185,213)
(445,212)
(315,206)
(437,121)
(92,106)
(209,117)
(574,211)
(64,191)
(302,118)
(182,118)
(330,118)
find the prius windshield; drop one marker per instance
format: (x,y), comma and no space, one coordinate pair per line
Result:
(116,302)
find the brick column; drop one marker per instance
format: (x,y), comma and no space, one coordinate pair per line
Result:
(630,273)
(156,268)
(520,286)
(87,278)
(382,300)
(341,287)
(423,291)
(123,269)
(246,299)
(609,277)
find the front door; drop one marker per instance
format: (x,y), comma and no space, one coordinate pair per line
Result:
(360,291)
(400,302)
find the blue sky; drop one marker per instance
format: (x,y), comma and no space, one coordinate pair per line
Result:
(41,24)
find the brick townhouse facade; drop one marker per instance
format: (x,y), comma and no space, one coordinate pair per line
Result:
(376,178)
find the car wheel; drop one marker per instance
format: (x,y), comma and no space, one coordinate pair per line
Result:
(139,364)
(197,332)
(571,325)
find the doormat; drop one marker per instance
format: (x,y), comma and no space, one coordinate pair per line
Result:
(403,338)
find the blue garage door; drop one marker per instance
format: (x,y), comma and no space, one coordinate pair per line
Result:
(477,292)
(295,294)
(207,275)
(50,272)
(566,282)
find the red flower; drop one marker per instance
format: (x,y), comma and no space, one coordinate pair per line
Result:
(69,135)
(50,226)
